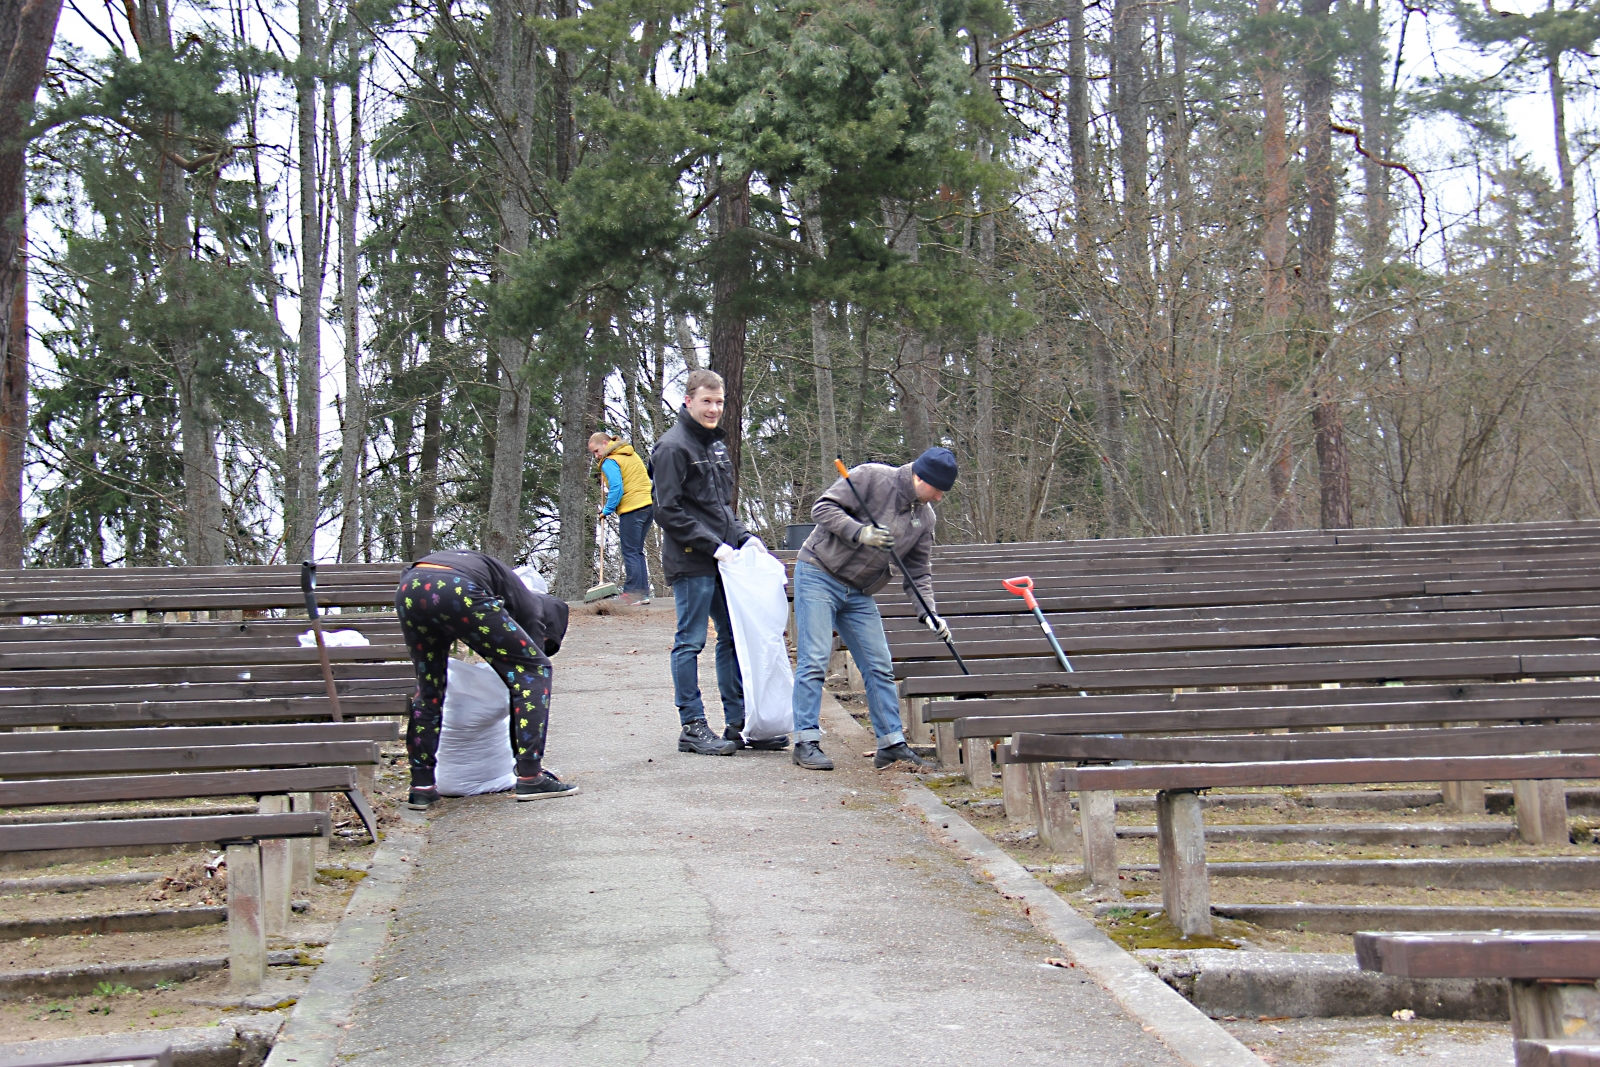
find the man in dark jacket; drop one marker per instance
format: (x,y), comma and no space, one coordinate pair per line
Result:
(841,565)
(474,598)
(692,483)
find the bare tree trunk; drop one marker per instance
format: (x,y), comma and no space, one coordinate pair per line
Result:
(27,31)
(1133,131)
(858,422)
(727,316)
(572,547)
(428,471)
(1333,461)
(1375,177)
(918,399)
(980,489)
(1558,107)
(304,503)
(515,100)
(348,188)
(658,371)
(1275,282)
(827,423)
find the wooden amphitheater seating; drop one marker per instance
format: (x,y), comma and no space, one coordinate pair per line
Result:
(1551,974)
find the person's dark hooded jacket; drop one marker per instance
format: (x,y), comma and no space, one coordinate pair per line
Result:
(542,616)
(692,483)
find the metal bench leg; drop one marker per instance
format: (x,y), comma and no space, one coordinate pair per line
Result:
(276,874)
(247,936)
(301,869)
(1097,823)
(1548,1010)
(1541,811)
(979,763)
(1181,833)
(1014,792)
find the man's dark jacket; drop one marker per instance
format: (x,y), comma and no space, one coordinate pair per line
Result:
(692,483)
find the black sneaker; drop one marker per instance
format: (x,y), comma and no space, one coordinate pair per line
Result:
(543,786)
(697,737)
(422,797)
(734,734)
(900,753)
(809,754)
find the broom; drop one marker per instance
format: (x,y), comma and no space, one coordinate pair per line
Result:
(605,588)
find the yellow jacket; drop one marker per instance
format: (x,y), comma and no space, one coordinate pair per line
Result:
(628,484)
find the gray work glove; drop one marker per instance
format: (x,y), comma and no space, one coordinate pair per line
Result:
(876,537)
(940,628)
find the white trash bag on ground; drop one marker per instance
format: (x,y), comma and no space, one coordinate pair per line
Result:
(475,742)
(754,580)
(335,639)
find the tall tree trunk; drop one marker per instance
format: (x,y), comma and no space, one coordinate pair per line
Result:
(1333,461)
(858,421)
(348,187)
(1558,107)
(515,101)
(980,488)
(300,523)
(27,31)
(1128,23)
(1275,282)
(1375,133)
(428,471)
(918,397)
(827,423)
(572,546)
(727,313)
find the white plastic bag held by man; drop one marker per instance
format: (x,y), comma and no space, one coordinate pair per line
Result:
(759,610)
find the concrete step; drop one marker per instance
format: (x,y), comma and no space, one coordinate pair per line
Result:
(1581,800)
(1550,874)
(1349,918)
(77,981)
(120,922)
(1476,833)
(1207,800)
(1248,985)
(74,883)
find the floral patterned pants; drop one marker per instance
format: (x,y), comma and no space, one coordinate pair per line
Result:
(438,607)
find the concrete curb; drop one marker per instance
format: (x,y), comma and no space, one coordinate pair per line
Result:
(1179,1025)
(1553,873)
(241,1042)
(1417,834)
(313,1033)
(1351,918)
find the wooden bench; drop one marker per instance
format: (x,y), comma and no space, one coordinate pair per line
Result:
(263,870)
(1555,1006)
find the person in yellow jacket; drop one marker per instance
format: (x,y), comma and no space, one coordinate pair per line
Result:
(627,485)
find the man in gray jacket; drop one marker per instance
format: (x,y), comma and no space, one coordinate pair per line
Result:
(844,562)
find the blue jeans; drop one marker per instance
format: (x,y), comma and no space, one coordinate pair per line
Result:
(823,604)
(698,599)
(634,525)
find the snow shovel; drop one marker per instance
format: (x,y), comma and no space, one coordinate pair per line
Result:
(1023,587)
(604,589)
(844,472)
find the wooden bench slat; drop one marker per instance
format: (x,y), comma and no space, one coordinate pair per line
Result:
(185,736)
(46,791)
(1489,954)
(1188,776)
(185,831)
(195,757)
(308,708)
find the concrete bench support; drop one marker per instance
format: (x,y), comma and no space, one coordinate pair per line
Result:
(276,873)
(1181,836)
(917,732)
(1541,811)
(319,845)
(1097,828)
(247,936)
(1054,810)
(1554,1010)
(946,748)
(302,864)
(1464,797)
(979,762)
(1014,792)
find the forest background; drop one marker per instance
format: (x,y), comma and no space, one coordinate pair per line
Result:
(356,279)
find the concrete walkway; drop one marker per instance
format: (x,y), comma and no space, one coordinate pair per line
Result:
(698,910)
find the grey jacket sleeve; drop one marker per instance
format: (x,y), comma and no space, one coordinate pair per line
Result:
(919,568)
(833,509)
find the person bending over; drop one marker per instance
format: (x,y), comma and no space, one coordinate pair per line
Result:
(627,485)
(693,485)
(474,598)
(844,562)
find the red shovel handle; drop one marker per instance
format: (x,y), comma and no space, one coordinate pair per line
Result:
(1022,587)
